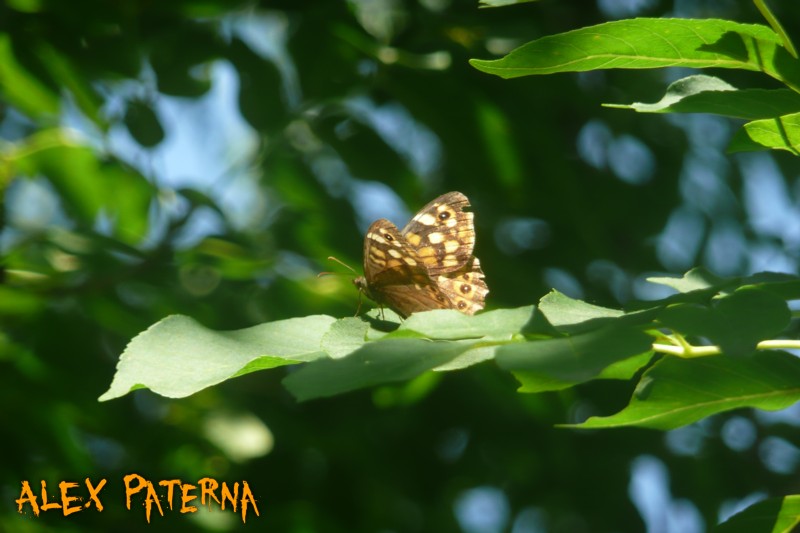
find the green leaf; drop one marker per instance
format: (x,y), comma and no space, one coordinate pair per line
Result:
(708,94)
(776,26)
(779,133)
(676,392)
(375,363)
(493,328)
(345,336)
(450,324)
(22,89)
(696,279)
(178,356)
(776,515)
(568,315)
(651,43)
(736,322)
(561,310)
(571,360)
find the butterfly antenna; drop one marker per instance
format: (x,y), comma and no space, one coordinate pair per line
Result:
(331,258)
(348,267)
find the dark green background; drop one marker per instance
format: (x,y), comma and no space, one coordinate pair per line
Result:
(396,458)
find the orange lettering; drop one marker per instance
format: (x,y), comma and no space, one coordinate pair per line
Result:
(185,498)
(47,506)
(149,499)
(169,484)
(152,497)
(65,500)
(129,490)
(207,487)
(93,494)
(26,495)
(226,495)
(247,496)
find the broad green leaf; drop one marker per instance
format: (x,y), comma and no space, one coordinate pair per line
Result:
(448,324)
(375,363)
(651,43)
(178,356)
(561,310)
(736,323)
(492,328)
(568,315)
(572,359)
(21,88)
(345,336)
(776,515)
(708,94)
(676,392)
(696,279)
(779,133)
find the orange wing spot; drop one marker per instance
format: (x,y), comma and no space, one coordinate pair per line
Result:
(413,239)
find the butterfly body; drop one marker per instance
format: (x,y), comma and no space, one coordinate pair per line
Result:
(429,264)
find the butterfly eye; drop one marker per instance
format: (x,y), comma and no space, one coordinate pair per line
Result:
(389,237)
(444,215)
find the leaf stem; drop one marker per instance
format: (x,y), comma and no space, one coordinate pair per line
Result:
(761,5)
(687,351)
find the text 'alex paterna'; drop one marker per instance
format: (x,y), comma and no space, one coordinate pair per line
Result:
(171,491)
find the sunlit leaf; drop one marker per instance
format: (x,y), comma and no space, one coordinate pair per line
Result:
(676,392)
(776,515)
(646,43)
(779,133)
(178,356)
(568,315)
(345,336)
(695,279)
(708,94)
(450,324)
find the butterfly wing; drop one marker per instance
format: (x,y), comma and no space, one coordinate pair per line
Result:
(394,274)
(429,265)
(465,288)
(442,233)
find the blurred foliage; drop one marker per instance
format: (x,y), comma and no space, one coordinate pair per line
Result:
(203,157)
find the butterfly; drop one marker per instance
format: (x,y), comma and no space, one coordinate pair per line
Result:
(427,265)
